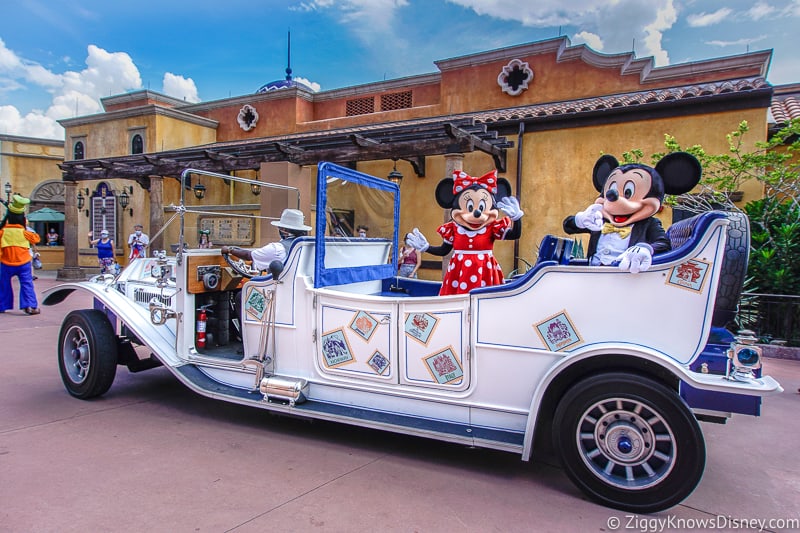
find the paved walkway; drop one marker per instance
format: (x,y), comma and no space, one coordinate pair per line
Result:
(152,456)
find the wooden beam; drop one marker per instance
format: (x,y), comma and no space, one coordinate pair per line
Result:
(418,164)
(218,156)
(360,140)
(288,149)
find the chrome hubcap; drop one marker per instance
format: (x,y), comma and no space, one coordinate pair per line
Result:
(626,444)
(76,354)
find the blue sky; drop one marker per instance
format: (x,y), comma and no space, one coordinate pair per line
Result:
(58,58)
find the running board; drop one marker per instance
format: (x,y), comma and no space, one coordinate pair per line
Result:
(409,425)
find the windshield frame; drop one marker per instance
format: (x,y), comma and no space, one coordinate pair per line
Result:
(323,276)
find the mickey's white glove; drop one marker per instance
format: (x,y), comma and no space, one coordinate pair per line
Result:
(510,207)
(636,258)
(591,218)
(417,240)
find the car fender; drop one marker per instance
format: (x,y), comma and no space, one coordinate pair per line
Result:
(136,318)
(766,385)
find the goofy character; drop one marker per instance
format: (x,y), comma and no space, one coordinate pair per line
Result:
(476,223)
(621,223)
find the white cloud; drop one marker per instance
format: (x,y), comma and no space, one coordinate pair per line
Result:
(180,87)
(314,85)
(615,23)
(73,93)
(593,40)
(701,20)
(792,10)
(32,125)
(760,10)
(738,42)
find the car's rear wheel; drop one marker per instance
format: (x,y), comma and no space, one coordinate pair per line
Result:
(87,353)
(629,442)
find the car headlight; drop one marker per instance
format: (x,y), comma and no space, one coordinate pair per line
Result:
(743,356)
(747,356)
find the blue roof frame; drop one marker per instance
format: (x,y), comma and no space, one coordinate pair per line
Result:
(324,277)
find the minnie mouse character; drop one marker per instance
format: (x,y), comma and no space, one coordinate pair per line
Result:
(621,223)
(476,223)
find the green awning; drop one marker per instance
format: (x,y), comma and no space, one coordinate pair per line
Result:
(46,214)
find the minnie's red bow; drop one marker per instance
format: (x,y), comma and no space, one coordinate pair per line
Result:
(462,180)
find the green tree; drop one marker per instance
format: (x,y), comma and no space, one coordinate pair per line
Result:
(774,219)
(774,262)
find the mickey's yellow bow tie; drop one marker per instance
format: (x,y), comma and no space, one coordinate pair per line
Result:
(611,228)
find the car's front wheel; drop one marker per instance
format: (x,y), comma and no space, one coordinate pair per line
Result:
(629,442)
(87,353)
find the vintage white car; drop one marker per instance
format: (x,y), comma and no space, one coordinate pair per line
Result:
(535,362)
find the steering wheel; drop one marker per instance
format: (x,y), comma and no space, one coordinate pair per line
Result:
(241,267)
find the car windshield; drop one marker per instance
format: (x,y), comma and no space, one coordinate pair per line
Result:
(352,205)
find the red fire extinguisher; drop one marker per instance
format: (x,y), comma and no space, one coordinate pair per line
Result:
(202,320)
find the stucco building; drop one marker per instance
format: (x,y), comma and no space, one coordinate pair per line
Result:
(542,113)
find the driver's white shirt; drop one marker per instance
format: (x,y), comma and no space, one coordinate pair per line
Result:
(263,256)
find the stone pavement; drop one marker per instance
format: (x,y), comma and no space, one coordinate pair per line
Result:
(152,456)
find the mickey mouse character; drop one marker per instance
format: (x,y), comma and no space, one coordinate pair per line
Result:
(476,223)
(621,222)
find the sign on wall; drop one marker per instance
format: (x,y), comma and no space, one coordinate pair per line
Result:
(237,231)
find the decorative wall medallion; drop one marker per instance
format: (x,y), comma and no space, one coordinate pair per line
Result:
(248,117)
(515,77)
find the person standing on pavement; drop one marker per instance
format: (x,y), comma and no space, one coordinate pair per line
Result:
(138,241)
(105,252)
(15,258)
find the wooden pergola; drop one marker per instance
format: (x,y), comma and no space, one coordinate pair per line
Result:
(412,141)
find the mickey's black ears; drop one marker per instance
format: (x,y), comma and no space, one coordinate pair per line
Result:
(604,166)
(680,172)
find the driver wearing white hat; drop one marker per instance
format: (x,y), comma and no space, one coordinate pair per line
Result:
(290,226)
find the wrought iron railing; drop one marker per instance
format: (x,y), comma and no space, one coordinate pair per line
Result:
(774,317)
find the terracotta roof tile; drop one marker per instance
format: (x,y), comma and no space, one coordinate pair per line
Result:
(625,100)
(785,109)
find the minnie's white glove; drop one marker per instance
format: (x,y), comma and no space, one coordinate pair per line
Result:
(510,206)
(636,258)
(591,218)
(417,240)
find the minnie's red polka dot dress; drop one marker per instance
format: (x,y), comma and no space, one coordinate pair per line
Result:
(473,264)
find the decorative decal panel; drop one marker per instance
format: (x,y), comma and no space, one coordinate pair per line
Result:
(336,349)
(357,343)
(445,367)
(364,325)
(690,275)
(255,303)
(558,332)
(420,326)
